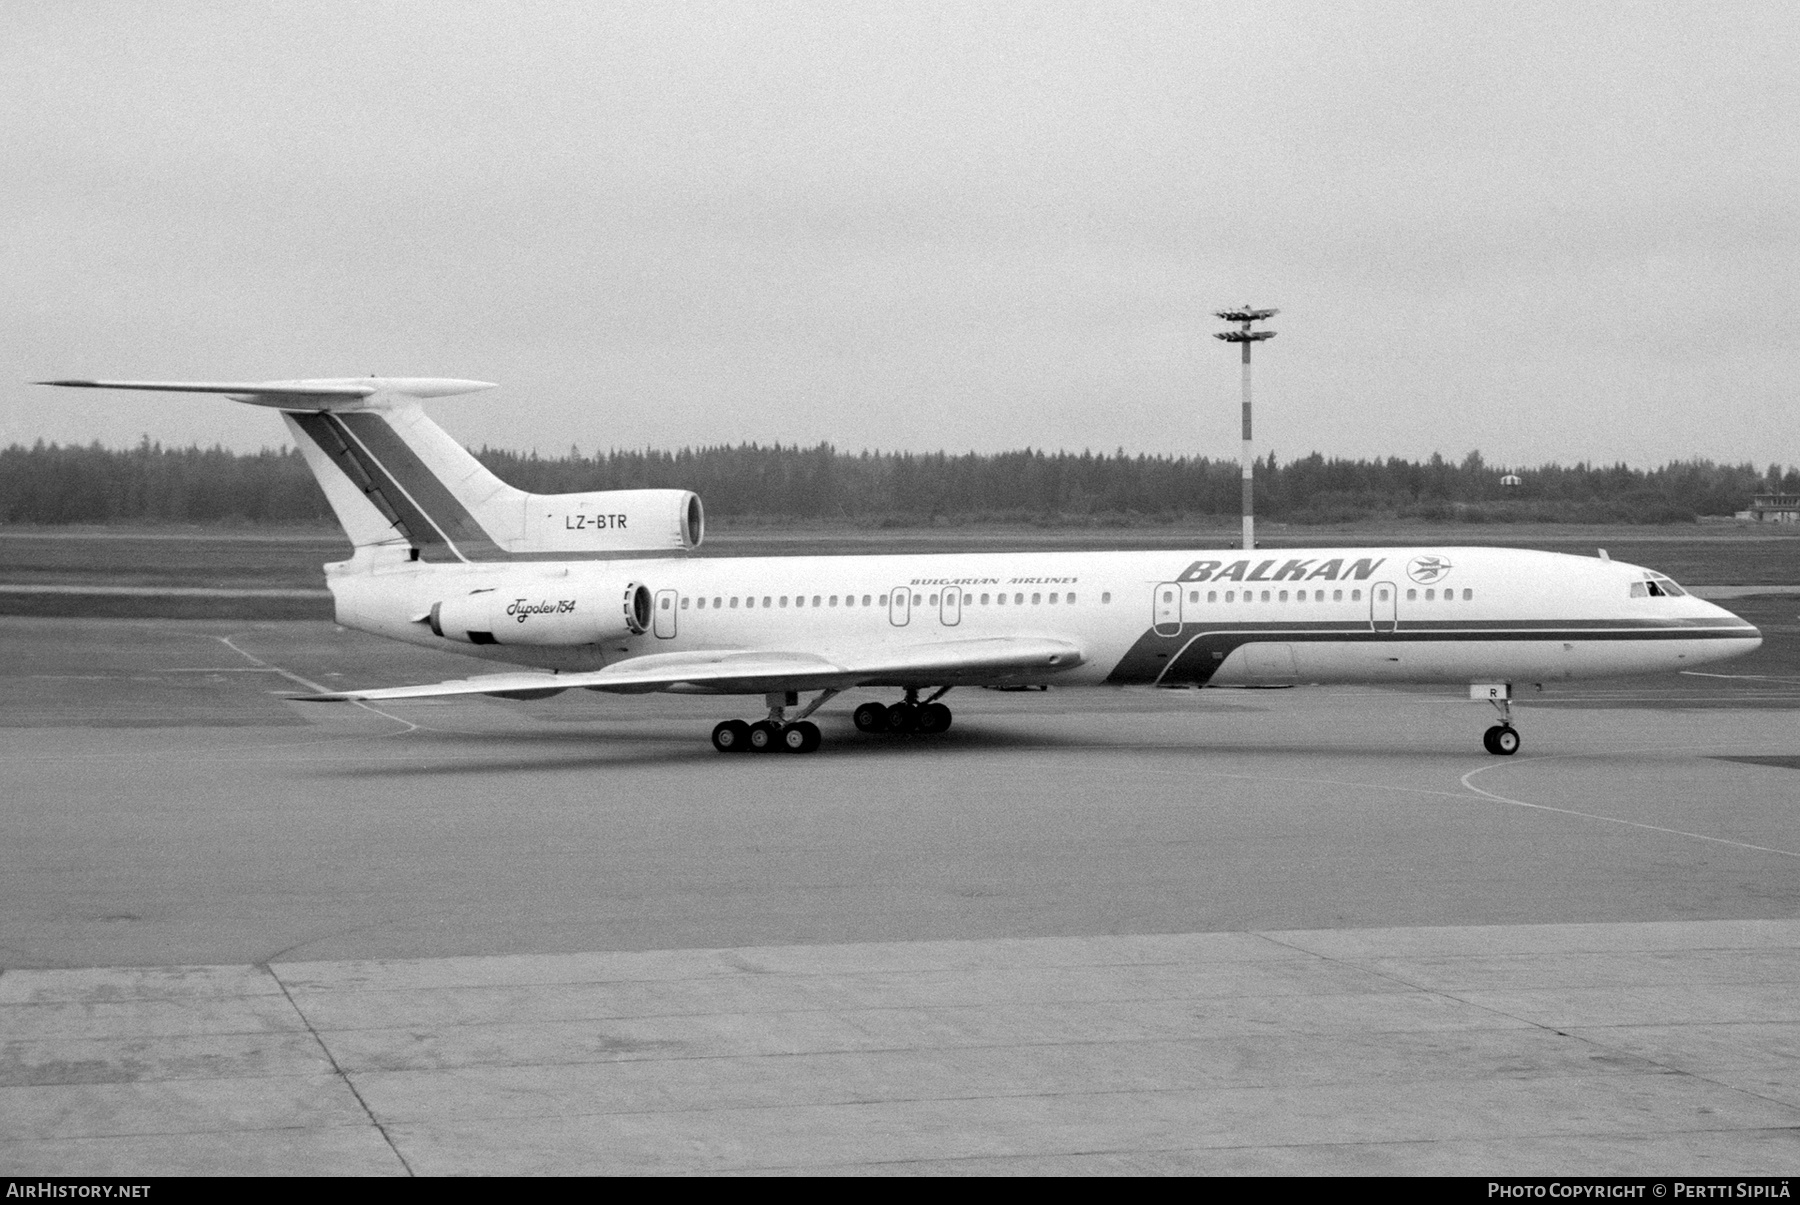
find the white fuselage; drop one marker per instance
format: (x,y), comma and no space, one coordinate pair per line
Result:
(1221,617)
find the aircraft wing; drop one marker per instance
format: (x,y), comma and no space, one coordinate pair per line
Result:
(997,659)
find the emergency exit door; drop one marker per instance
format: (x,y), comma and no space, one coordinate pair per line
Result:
(900,606)
(950,609)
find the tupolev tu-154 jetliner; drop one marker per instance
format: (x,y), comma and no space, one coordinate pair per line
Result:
(598,590)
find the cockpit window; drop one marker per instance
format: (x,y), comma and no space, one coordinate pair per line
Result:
(1640,589)
(1656,587)
(1669,587)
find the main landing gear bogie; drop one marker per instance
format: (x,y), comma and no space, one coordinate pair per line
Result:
(909,716)
(794,733)
(735,736)
(781,732)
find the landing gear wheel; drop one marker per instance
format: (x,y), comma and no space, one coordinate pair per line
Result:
(903,717)
(802,737)
(764,737)
(732,736)
(1502,740)
(933,719)
(871,717)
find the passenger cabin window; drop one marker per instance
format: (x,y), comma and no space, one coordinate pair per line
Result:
(1106,596)
(1070,600)
(684,603)
(1468,595)
(1412,595)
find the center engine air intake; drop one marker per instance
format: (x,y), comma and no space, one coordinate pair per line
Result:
(532,615)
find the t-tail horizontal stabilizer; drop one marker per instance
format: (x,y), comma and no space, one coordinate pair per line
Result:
(323,394)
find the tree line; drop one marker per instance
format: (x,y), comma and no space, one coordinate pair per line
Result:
(54,483)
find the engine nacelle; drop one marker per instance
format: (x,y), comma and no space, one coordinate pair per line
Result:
(569,615)
(615,521)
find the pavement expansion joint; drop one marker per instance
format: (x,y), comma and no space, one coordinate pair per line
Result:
(1249,1054)
(337,1070)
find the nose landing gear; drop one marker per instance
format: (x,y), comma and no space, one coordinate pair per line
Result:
(1502,739)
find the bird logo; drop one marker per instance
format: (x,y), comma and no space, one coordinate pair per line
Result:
(1427,569)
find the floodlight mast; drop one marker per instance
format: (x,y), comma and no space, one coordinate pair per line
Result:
(1244,315)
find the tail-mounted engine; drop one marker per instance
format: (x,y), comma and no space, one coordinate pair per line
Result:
(615,521)
(533,615)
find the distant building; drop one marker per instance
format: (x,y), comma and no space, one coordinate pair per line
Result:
(1774,508)
(1510,481)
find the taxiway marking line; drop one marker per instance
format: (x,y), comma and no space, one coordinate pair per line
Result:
(309,684)
(1442,794)
(1655,828)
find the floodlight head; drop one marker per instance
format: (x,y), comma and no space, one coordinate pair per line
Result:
(1244,314)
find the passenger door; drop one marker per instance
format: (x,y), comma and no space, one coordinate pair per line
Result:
(665,613)
(1166,610)
(1384,602)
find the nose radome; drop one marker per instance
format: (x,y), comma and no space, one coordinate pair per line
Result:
(1750,631)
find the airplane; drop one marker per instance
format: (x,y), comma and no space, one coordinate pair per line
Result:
(600,591)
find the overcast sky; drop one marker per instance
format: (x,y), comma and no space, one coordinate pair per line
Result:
(1549,232)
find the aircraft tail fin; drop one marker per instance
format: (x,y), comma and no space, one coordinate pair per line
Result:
(394,477)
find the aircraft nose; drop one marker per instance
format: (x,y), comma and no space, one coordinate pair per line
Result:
(1746,631)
